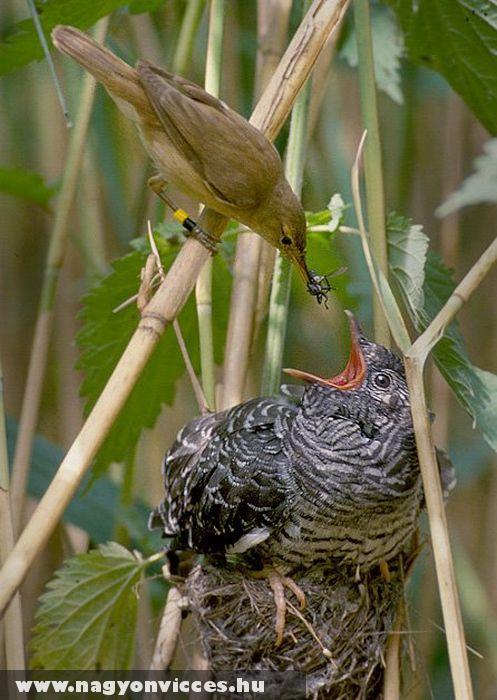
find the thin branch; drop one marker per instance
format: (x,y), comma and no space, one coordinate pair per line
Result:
(372,157)
(254,258)
(282,271)
(11,628)
(173,293)
(187,34)
(439,532)
(203,288)
(202,403)
(167,637)
(380,284)
(44,321)
(430,337)
(51,65)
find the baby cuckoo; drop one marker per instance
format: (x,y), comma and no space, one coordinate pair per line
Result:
(331,473)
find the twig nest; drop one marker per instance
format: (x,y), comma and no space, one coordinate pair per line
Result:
(338,641)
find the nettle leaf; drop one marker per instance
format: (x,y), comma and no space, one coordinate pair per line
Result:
(27,185)
(388,46)
(408,246)
(479,187)
(458,39)
(475,389)
(105,335)
(87,617)
(22,45)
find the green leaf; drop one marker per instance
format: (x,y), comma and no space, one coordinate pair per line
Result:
(22,45)
(408,246)
(475,390)
(27,185)
(105,335)
(479,187)
(458,39)
(87,617)
(388,47)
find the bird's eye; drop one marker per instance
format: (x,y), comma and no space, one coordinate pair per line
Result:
(382,380)
(286,240)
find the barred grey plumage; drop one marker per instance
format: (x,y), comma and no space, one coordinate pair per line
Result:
(329,471)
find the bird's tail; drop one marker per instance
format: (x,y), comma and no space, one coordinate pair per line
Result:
(119,79)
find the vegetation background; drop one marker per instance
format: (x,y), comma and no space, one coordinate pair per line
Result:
(430,139)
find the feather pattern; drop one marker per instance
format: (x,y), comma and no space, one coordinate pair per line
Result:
(312,474)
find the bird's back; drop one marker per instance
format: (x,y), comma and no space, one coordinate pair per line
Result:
(224,478)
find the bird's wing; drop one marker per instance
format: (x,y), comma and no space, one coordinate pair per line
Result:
(230,493)
(227,152)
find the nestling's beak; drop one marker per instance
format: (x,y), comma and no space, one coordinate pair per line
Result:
(349,378)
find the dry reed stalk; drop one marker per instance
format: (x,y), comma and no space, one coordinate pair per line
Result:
(415,358)
(269,115)
(242,308)
(11,627)
(168,634)
(44,322)
(250,293)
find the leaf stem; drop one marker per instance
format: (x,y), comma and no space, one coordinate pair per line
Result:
(203,288)
(44,321)
(372,157)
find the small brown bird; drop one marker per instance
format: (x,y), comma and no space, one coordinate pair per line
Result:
(204,148)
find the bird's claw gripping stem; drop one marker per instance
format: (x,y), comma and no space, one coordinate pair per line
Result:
(157,184)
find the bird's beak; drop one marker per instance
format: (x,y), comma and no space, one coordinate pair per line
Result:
(349,378)
(301,265)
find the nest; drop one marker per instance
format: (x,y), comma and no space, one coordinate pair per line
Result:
(338,641)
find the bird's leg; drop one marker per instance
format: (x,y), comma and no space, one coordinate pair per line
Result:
(385,571)
(157,184)
(278,583)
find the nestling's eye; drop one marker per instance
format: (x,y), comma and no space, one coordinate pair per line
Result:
(285,240)
(381,380)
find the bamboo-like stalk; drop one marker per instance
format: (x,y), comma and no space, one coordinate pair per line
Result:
(282,273)
(187,34)
(203,287)
(269,116)
(11,629)
(372,157)
(254,257)
(169,631)
(44,321)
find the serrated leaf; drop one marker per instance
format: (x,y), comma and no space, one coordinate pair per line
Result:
(27,185)
(22,45)
(105,335)
(477,397)
(408,246)
(479,187)
(87,617)
(458,39)
(388,47)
